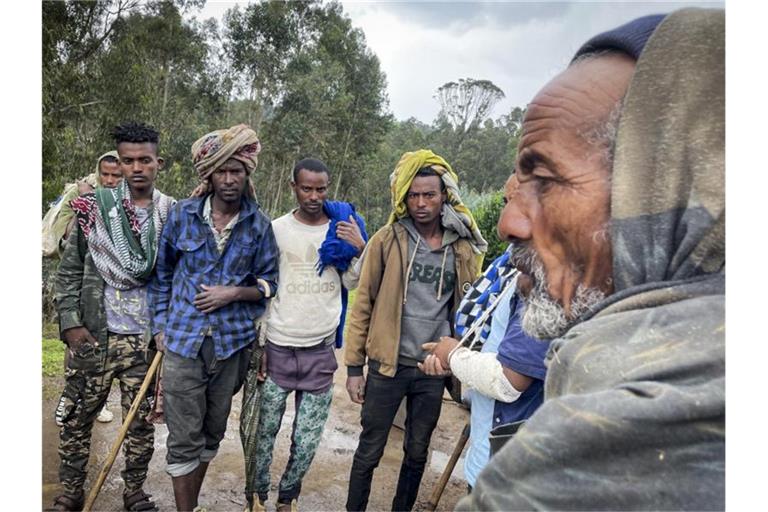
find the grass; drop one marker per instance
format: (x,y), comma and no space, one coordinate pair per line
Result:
(53,352)
(53,357)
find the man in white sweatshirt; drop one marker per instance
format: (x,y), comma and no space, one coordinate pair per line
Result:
(302,329)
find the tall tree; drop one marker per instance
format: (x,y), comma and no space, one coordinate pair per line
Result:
(75,33)
(260,42)
(107,62)
(320,89)
(467,103)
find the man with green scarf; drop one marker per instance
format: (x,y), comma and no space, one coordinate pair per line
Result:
(617,212)
(101,295)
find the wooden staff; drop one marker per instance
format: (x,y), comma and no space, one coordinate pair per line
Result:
(437,492)
(123,430)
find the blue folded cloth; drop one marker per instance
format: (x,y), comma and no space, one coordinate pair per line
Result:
(339,253)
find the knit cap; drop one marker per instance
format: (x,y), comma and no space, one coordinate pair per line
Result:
(629,38)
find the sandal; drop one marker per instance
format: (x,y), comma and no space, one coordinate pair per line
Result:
(66,502)
(138,501)
(255,504)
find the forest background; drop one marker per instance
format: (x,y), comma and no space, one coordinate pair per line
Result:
(298,72)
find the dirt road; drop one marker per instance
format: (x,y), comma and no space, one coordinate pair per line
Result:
(324,487)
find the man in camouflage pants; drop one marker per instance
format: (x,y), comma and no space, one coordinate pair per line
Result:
(101,295)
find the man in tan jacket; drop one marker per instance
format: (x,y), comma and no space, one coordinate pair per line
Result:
(414,273)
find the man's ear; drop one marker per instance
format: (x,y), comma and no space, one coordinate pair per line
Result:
(160,162)
(292,184)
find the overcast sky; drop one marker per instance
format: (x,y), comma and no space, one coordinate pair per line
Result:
(519,46)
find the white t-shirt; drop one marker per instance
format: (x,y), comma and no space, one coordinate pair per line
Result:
(307,307)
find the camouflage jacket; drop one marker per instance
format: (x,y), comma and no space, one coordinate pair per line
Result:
(79,289)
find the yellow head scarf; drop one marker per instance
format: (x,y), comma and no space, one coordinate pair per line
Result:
(400,181)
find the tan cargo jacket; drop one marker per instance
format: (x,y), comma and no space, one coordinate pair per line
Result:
(373,330)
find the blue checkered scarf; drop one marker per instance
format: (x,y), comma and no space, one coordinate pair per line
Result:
(339,253)
(481,295)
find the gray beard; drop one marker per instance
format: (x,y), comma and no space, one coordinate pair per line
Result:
(545,318)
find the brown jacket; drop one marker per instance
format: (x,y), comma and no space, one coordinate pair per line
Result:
(373,330)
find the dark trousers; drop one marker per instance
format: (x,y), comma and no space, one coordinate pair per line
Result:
(382,399)
(197,401)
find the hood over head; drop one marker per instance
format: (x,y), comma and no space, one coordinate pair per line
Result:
(94,179)
(668,181)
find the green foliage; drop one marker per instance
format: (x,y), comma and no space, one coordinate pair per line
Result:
(112,61)
(53,357)
(297,71)
(316,90)
(486,214)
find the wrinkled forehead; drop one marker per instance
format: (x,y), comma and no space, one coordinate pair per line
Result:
(566,102)
(581,95)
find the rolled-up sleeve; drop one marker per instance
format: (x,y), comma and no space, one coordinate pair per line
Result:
(266,262)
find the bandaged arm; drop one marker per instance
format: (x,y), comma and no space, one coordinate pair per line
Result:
(483,372)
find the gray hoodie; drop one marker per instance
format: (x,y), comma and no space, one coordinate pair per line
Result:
(427,305)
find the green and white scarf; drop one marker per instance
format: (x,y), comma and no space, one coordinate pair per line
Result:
(123,251)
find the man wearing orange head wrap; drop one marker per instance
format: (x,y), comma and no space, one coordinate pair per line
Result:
(217,264)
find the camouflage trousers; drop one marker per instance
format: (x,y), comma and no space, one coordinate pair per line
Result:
(89,377)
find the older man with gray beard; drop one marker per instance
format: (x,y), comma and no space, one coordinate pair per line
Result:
(623,256)
(544,317)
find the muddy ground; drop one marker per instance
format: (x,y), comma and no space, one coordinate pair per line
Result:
(324,487)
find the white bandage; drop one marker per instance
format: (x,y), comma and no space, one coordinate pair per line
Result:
(483,372)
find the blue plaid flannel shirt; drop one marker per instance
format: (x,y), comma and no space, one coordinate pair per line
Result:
(187,258)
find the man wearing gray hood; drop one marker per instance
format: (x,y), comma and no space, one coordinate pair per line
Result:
(617,211)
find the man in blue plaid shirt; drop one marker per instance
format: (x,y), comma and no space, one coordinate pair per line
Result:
(217,264)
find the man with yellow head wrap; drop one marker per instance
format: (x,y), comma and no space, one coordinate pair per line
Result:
(455,216)
(217,264)
(414,274)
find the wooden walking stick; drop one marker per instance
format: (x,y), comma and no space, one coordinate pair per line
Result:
(437,492)
(123,430)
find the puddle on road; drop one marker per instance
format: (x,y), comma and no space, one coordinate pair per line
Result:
(338,441)
(439,460)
